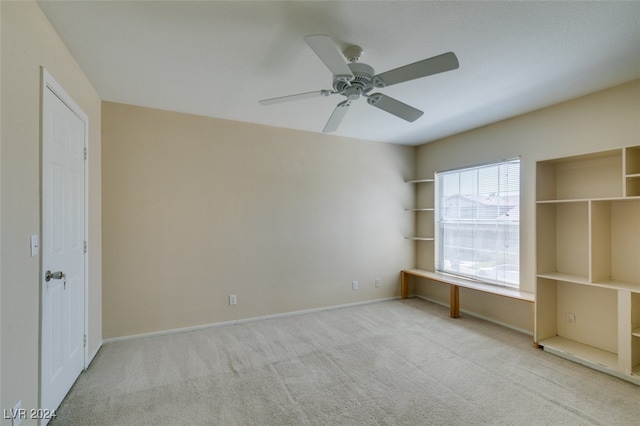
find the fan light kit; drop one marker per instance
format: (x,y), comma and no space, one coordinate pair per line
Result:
(354,80)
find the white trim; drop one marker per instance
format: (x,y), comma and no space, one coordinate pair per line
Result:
(93,355)
(438,239)
(48,82)
(473,314)
(245,320)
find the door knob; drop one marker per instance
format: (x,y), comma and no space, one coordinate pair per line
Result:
(48,276)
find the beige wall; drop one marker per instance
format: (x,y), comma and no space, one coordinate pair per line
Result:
(196,209)
(29,42)
(1,377)
(603,120)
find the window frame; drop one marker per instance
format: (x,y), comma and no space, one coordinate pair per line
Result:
(503,273)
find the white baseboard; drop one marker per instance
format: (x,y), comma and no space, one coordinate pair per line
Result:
(473,314)
(93,355)
(243,321)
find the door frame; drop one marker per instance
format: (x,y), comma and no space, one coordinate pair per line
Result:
(49,83)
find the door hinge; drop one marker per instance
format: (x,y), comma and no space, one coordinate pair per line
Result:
(85,247)
(84,341)
(85,153)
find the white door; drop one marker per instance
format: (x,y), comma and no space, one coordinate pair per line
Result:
(63,244)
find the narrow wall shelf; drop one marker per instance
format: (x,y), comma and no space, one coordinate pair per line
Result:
(582,200)
(419,181)
(584,280)
(569,278)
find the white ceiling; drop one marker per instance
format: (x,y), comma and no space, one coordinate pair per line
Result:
(218,59)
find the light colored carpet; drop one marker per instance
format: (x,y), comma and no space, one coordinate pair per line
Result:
(401,362)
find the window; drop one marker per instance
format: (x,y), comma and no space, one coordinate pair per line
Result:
(478,222)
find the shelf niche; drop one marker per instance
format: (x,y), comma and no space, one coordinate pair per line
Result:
(563,239)
(615,234)
(632,171)
(580,177)
(591,337)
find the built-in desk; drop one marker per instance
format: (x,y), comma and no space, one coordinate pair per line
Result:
(454,286)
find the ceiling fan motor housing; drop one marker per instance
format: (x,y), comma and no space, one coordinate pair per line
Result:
(361,83)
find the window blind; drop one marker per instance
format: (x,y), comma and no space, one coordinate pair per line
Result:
(478,222)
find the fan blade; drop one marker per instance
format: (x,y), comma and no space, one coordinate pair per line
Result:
(336,116)
(328,53)
(395,107)
(437,64)
(295,97)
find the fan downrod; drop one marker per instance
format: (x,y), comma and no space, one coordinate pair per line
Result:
(352,53)
(360,84)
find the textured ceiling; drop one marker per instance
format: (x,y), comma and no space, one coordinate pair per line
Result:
(218,58)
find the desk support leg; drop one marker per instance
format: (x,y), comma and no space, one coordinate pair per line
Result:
(404,291)
(533,325)
(454,301)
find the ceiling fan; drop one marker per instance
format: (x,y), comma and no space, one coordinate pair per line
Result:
(354,80)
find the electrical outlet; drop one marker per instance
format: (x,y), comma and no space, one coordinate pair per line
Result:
(377,282)
(571,318)
(232,299)
(354,285)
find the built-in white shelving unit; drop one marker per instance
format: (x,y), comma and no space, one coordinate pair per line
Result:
(588,264)
(424,226)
